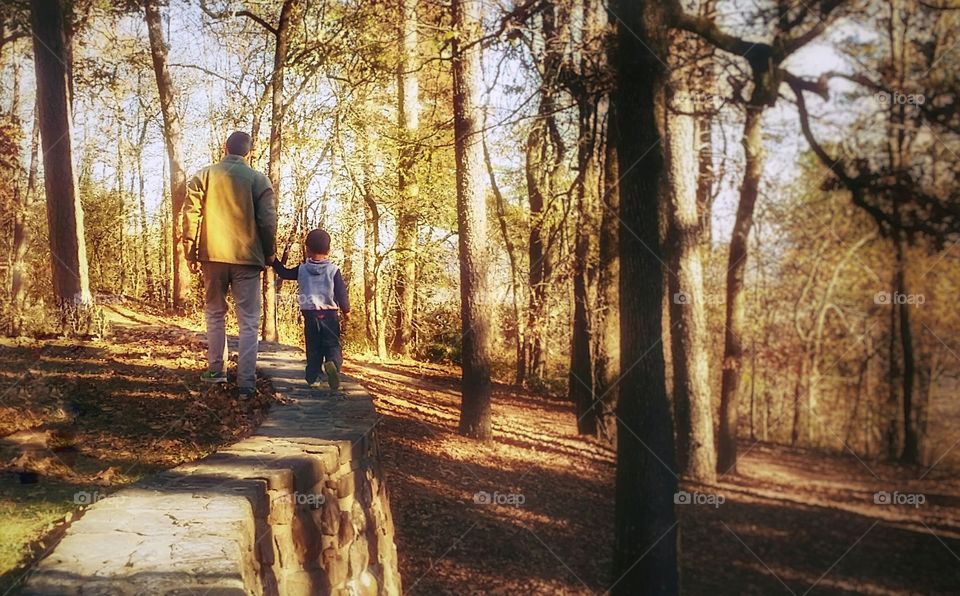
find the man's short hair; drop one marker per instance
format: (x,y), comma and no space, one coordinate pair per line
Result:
(318,242)
(239,143)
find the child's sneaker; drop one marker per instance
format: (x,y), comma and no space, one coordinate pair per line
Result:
(333,375)
(212,376)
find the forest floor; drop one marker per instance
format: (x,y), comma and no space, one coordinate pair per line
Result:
(530,511)
(790,522)
(80,419)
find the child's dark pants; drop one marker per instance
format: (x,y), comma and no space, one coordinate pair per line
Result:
(321,328)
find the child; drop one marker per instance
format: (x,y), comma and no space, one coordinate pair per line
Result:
(321,292)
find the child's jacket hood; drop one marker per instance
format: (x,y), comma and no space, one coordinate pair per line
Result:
(316,280)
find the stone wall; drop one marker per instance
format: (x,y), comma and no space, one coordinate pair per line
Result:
(298,508)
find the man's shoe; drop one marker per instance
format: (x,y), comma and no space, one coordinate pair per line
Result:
(246,392)
(211,376)
(333,375)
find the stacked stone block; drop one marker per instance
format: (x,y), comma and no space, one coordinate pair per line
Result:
(298,508)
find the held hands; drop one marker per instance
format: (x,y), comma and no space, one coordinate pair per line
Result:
(194,266)
(269,260)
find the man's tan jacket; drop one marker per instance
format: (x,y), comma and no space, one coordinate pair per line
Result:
(229,215)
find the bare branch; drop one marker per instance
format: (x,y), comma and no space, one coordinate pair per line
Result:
(221,15)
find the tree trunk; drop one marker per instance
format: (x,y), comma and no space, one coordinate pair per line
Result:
(21,233)
(736,269)
(645,549)
(707,91)
(476,306)
(861,377)
(122,221)
(408,121)
(171,135)
(893,370)
(516,287)
(911,452)
(815,339)
(691,375)
(68,252)
(372,301)
(348,243)
(150,289)
(540,261)
(544,157)
(608,330)
(797,393)
(581,389)
(165,287)
(268,328)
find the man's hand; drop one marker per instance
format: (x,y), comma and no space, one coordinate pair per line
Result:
(269,260)
(345,316)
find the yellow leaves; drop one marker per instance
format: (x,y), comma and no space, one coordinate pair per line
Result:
(106,477)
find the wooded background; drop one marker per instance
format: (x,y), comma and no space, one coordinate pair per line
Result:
(737,216)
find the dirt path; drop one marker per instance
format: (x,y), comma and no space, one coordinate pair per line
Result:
(792,522)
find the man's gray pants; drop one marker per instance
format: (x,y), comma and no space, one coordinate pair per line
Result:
(218,279)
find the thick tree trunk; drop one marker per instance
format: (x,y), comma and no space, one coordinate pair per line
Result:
(691,375)
(645,549)
(171,135)
(736,269)
(476,308)
(68,252)
(408,121)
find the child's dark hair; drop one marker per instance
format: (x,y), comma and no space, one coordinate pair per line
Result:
(318,242)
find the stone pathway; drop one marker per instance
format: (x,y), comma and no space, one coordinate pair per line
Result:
(299,507)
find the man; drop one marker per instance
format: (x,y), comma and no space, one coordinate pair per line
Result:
(229,231)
